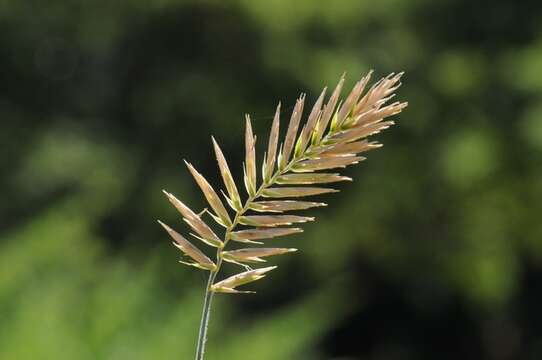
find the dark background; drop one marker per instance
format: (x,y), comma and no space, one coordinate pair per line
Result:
(433,252)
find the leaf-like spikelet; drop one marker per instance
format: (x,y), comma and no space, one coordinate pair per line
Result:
(375,115)
(211,196)
(228,285)
(378,91)
(253,255)
(361,132)
(349,149)
(352,99)
(292,130)
(283,192)
(227,177)
(329,109)
(279,206)
(326,163)
(201,261)
(311,178)
(206,234)
(311,124)
(272,146)
(250,162)
(272,220)
(260,234)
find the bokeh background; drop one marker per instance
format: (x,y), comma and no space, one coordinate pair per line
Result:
(434,252)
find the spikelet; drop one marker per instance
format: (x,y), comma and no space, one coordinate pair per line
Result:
(229,285)
(333,136)
(253,255)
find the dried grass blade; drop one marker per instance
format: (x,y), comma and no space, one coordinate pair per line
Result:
(280,206)
(210,195)
(283,192)
(227,177)
(307,179)
(190,250)
(273,220)
(260,234)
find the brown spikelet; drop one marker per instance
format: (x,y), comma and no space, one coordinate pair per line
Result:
(352,99)
(201,261)
(292,130)
(211,196)
(229,285)
(311,178)
(253,255)
(279,206)
(350,149)
(312,120)
(250,162)
(327,163)
(329,109)
(272,147)
(283,192)
(227,177)
(260,234)
(204,231)
(273,220)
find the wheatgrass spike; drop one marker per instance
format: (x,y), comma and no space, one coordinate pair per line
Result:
(332,137)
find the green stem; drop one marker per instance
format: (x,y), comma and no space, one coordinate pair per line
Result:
(204,324)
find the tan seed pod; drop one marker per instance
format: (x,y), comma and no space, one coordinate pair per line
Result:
(201,261)
(253,255)
(311,178)
(228,285)
(250,162)
(295,192)
(279,206)
(211,196)
(272,220)
(260,234)
(194,221)
(227,177)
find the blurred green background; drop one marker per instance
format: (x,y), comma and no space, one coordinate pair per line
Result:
(434,252)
